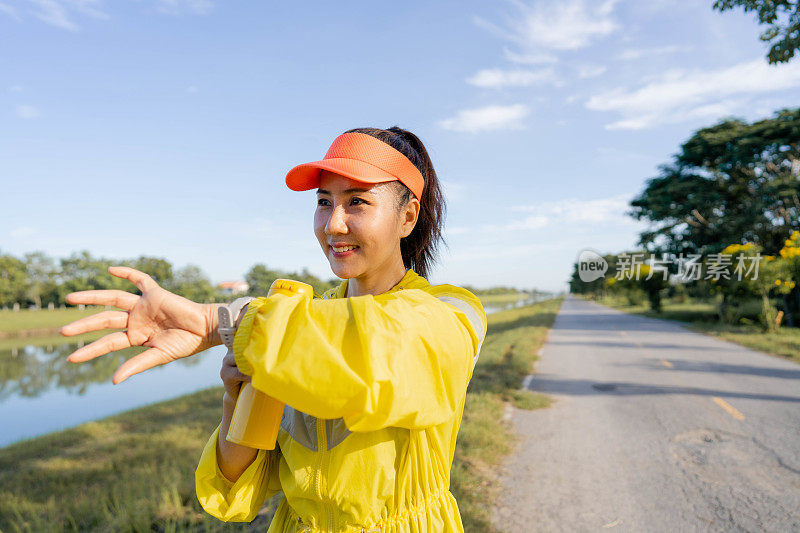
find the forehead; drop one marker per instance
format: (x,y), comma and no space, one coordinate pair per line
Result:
(336,183)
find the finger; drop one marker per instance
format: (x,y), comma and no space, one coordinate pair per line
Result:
(229,373)
(110,343)
(142,280)
(104,320)
(121,299)
(139,363)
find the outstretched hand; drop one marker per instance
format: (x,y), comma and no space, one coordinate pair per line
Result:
(170,325)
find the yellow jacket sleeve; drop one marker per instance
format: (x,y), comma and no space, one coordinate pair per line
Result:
(237,501)
(400,358)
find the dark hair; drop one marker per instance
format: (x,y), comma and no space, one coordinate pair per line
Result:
(420,248)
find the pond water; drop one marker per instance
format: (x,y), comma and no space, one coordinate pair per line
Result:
(41,392)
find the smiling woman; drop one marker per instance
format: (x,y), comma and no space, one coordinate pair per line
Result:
(373,374)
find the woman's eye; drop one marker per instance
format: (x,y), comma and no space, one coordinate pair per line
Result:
(321,200)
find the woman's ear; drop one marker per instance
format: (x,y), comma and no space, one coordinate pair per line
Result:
(409,217)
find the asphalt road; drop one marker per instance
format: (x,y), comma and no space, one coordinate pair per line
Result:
(654,428)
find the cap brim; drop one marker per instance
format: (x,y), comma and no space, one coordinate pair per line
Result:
(306,176)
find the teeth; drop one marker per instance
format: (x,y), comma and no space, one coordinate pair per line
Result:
(335,249)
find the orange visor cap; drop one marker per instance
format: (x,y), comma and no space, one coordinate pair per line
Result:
(360,157)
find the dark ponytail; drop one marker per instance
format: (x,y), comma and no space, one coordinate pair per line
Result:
(420,248)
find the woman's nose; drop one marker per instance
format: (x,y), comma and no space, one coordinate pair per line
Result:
(336,223)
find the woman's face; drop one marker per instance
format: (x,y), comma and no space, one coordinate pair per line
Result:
(351,212)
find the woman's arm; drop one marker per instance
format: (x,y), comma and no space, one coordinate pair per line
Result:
(395,359)
(236,500)
(232,481)
(233,458)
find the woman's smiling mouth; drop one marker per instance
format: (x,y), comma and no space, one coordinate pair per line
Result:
(343,251)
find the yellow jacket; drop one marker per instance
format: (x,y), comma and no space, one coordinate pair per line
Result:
(374,388)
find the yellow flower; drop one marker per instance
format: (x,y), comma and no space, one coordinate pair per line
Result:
(777,282)
(736,248)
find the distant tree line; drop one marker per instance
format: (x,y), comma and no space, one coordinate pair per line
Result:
(37,280)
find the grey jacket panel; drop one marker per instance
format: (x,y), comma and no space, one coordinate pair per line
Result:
(302,427)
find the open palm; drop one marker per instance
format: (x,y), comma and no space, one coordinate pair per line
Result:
(170,325)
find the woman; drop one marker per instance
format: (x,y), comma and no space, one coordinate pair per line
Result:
(373,374)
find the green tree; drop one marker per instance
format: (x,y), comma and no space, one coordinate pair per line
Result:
(159,269)
(260,279)
(730,183)
(13,280)
(82,272)
(190,282)
(782,18)
(41,271)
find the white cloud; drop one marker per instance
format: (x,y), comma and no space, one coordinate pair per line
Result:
(178,7)
(28,111)
(22,232)
(498,78)
(569,212)
(679,95)
(57,12)
(562,25)
(54,13)
(529,59)
(10,11)
(15,89)
(493,117)
(638,53)
(192,89)
(591,71)
(60,13)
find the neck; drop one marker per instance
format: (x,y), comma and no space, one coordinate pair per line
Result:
(377,283)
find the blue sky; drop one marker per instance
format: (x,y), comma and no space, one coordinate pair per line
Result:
(166,127)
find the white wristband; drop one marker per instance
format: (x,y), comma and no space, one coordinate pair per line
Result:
(228,315)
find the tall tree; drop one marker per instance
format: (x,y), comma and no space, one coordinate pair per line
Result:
(260,278)
(192,283)
(13,280)
(731,183)
(41,276)
(782,18)
(159,269)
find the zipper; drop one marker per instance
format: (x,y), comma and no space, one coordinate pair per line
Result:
(322,448)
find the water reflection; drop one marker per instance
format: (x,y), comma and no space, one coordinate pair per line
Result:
(40,391)
(522,302)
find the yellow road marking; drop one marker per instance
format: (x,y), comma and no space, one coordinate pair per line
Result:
(729,408)
(666,363)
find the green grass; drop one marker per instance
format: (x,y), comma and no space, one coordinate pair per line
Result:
(15,322)
(129,472)
(507,356)
(135,471)
(702,317)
